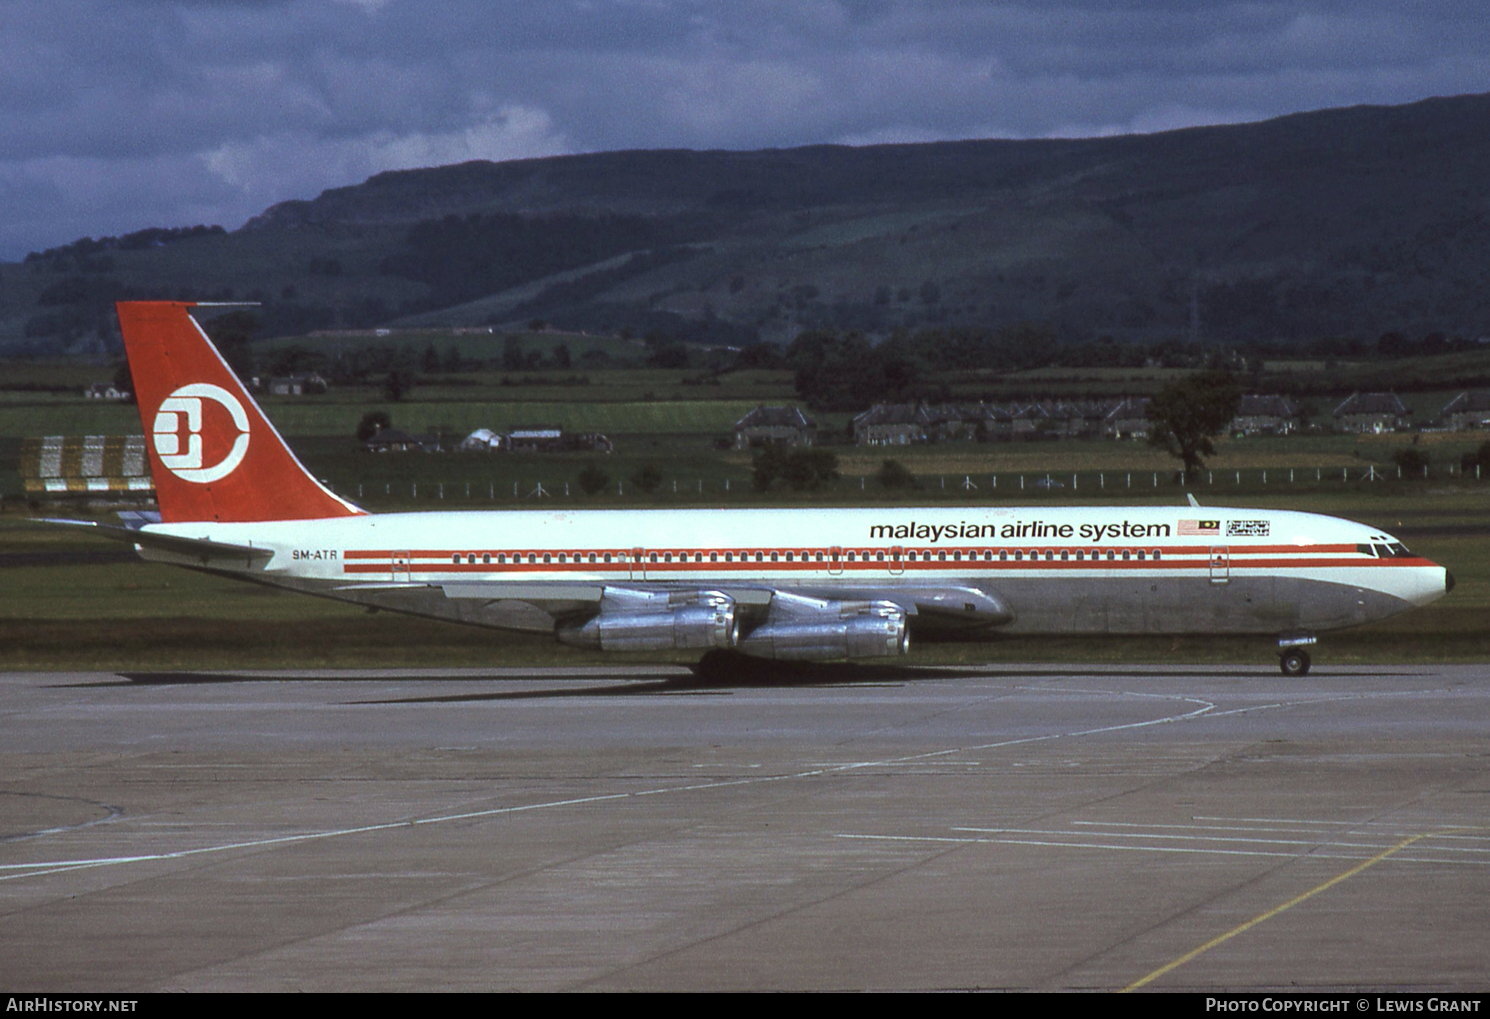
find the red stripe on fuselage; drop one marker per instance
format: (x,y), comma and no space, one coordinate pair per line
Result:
(1179,559)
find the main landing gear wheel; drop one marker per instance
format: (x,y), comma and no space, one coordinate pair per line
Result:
(1294,662)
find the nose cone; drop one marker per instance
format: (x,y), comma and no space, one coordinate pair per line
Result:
(1431,585)
(1423,584)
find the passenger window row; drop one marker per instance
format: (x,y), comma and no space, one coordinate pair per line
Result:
(877,555)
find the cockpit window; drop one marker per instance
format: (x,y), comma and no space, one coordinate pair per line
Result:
(1385,550)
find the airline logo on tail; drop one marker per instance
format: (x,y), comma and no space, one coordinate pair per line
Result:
(213,454)
(181,451)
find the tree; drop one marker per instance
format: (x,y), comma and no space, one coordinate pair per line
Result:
(895,475)
(512,355)
(766,467)
(124,380)
(666,354)
(809,469)
(801,469)
(231,334)
(1477,462)
(1412,462)
(592,480)
(1189,412)
(843,371)
(648,478)
(758,355)
(397,385)
(373,422)
(297,360)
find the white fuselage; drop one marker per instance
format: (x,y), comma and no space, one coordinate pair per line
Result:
(1098,569)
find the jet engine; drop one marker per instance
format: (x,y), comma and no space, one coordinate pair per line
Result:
(657,621)
(810,629)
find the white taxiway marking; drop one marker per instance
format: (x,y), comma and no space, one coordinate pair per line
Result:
(1365,828)
(1089,833)
(1203,708)
(43,867)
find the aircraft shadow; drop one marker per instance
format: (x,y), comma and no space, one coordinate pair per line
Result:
(332,676)
(711,678)
(708,677)
(754,675)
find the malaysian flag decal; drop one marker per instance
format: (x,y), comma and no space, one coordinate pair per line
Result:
(1200,527)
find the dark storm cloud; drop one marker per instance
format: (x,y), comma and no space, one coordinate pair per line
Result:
(168,112)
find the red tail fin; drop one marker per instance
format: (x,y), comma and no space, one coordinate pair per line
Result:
(213,453)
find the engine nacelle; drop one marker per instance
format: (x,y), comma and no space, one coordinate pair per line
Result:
(808,629)
(657,621)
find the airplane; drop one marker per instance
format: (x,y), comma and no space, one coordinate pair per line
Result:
(783,584)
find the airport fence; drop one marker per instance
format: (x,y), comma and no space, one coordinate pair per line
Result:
(991,486)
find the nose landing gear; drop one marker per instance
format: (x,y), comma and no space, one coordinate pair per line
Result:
(1294,662)
(1292,658)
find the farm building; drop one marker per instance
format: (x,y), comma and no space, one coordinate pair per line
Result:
(297,385)
(1128,419)
(1372,413)
(893,424)
(482,440)
(785,425)
(1468,410)
(1265,415)
(395,440)
(553,439)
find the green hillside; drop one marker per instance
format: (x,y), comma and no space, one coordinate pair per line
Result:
(1350,222)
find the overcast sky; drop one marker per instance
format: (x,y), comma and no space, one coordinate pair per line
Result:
(122,114)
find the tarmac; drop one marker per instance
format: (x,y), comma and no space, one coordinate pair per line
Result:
(1020,827)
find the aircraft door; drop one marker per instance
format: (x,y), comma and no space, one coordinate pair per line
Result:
(1220,564)
(897,560)
(835,560)
(638,559)
(400,566)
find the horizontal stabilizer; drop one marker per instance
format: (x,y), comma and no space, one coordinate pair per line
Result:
(201,548)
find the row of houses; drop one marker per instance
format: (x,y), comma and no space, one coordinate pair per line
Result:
(900,424)
(1385,412)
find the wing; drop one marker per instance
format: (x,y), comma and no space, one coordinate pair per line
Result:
(932,606)
(771,621)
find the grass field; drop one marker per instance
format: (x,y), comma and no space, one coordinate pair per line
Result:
(694,473)
(72,602)
(681,437)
